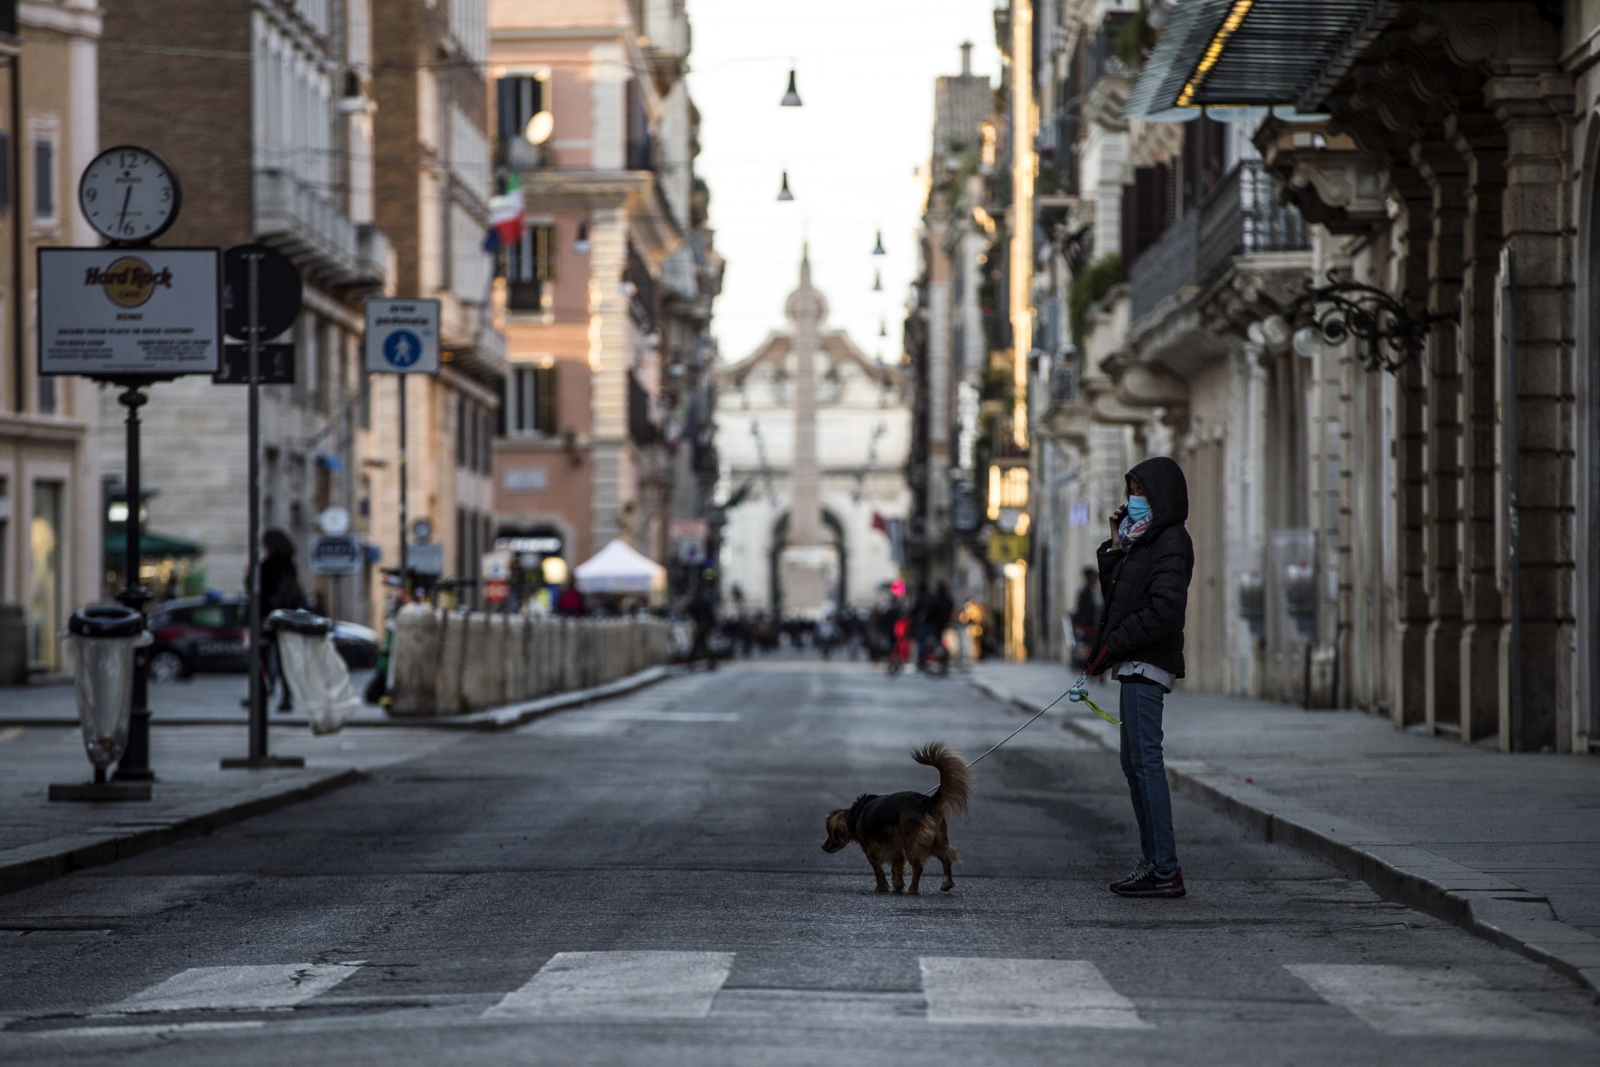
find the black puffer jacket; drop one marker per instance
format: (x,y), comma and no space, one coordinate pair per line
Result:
(1146,588)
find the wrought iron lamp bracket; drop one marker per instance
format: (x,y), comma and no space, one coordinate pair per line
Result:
(1390,333)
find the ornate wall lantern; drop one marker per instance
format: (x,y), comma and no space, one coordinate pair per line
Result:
(1391,334)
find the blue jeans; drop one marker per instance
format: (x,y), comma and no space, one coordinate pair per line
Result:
(1147,773)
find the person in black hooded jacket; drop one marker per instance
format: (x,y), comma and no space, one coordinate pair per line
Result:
(1144,578)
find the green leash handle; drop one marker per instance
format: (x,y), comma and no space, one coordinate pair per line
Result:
(1078,695)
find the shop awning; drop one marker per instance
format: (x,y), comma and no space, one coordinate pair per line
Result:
(152,545)
(1253,53)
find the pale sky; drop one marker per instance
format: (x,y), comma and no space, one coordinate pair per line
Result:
(865,73)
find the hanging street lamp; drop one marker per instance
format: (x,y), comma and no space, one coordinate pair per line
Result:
(783,191)
(877,281)
(790,98)
(878,249)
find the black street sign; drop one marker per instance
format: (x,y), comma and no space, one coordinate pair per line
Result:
(280,292)
(276,365)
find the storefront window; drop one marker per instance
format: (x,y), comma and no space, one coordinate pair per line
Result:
(44,605)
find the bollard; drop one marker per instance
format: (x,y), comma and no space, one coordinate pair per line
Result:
(516,647)
(452,662)
(415,655)
(476,694)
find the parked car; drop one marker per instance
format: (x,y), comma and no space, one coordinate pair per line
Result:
(211,634)
(357,645)
(195,634)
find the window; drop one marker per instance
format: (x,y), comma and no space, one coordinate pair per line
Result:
(529,266)
(518,97)
(44,179)
(531,407)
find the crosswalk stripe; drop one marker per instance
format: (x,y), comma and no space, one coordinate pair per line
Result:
(275,985)
(966,989)
(635,985)
(1418,1002)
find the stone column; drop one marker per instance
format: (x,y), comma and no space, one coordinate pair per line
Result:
(1536,212)
(1481,141)
(1442,167)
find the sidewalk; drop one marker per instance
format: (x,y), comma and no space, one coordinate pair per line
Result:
(1505,846)
(203,699)
(192,795)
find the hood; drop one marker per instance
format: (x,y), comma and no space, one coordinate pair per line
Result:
(1164,486)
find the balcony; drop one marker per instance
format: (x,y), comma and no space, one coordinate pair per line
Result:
(1240,217)
(372,256)
(312,230)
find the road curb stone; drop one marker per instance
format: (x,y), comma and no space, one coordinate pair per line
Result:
(43,861)
(1499,911)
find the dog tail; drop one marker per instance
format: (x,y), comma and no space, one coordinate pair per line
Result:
(955,781)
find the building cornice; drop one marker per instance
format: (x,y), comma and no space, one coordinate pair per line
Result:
(77,19)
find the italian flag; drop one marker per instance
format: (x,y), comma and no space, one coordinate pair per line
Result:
(506,213)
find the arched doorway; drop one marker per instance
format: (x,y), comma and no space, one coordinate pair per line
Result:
(833,538)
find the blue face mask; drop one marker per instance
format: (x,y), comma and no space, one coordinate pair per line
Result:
(1138,508)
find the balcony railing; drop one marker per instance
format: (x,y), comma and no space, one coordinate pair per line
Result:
(315,232)
(1241,216)
(1165,267)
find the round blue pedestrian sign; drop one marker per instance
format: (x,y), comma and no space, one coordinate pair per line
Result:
(402,348)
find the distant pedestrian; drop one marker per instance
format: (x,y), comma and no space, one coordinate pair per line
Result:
(1086,616)
(570,602)
(280,590)
(1144,577)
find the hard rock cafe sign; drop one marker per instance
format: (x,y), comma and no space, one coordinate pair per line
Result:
(108,312)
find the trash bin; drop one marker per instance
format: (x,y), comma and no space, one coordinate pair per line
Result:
(103,639)
(313,670)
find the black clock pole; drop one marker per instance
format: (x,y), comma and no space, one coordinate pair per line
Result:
(135,763)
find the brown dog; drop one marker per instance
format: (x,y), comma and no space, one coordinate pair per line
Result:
(906,827)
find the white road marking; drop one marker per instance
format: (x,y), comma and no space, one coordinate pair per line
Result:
(633,985)
(276,985)
(967,989)
(647,715)
(1418,1002)
(149,1028)
(10,734)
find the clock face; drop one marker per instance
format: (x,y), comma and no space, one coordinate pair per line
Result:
(129,194)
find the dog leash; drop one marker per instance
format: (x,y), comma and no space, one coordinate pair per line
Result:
(1076,695)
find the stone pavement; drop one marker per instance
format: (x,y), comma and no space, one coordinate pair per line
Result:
(192,795)
(1506,846)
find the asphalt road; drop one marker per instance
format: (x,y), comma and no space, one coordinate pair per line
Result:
(641,882)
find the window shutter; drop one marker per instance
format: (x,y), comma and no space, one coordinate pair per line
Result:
(544,399)
(544,252)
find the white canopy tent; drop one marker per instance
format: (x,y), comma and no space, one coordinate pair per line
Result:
(619,568)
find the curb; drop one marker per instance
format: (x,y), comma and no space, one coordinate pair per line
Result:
(32,864)
(1498,911)
(508,716)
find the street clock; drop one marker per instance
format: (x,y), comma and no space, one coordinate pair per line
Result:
(129,195)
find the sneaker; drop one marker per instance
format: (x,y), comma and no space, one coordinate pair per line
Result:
(1132,876)
(1152,884)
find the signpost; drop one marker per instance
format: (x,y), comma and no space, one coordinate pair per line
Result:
(337,554)
(130,315)
(403,338)
(262,300)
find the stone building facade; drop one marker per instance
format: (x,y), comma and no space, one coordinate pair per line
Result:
(1446,466)
(263,110)
(51,504)
(606,301)
(430,124)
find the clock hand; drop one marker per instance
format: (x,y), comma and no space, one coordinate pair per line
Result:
(125,197)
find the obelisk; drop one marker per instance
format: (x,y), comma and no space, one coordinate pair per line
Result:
(806,561)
